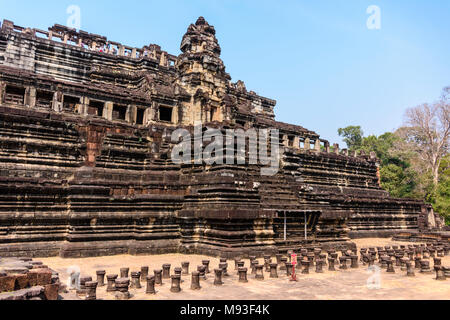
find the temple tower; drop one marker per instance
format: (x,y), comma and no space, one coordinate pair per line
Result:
(202,74)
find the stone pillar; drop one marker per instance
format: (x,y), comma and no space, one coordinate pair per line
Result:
(150,285)
(243,275)
(84,106)
(440,275)
(236,264)
(82,290)
(418,263)
(202,269)
(259,272)
(166,271)
(135,280)
(331,264)
(195,282)
(121,50)
(273,270)
(253,266)
(101,278)
(390,266)
(176,284)
(124,272)
(131,114)
(289,267)
(206,264)
(425,267)
(410,270)
(305,265)
(30,97)
(122,285)
(111,278)
(218,277)
(224,267)
(91,290)
(57,102)
(144,273)
(240,265)
(317,146)
(354,264)
(437,262)
(158,277)
(343,261)
(311,259)
(185,267)
(267,262)
(108,111)
(319,266)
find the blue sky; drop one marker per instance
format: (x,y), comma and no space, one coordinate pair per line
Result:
(318,59)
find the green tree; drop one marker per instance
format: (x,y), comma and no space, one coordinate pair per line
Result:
(353,136)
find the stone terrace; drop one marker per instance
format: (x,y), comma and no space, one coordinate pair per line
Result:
(348,284)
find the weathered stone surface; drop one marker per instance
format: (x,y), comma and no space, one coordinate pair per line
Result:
(85,147)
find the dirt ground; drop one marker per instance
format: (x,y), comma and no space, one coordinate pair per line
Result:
(350,284)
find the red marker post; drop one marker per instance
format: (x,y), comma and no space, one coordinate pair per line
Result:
(294,263)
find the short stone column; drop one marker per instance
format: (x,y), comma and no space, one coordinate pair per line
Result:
(176,283)
(91,290)
(283,263)
(417,261)
(425,267)
(135,280)
(195,282)
(236,267)
(343,261)
(218,277)
(166,271)
(224,267)
(122,285)
(150,285)
(243,275)
(437,262)
(289,267)
(253,265)
(240,265)
(331,266)
(206,264)
(354,264)
(259,275)
(144,273)
(403,266)
(273,270)
(319,266)
(305,266)
(409,269)
(311,259)
(440,275)
(101,278)
(82,290)
(111,278)
(202,269)
(390,266)
(185,267)
(446,272)
(124,272)
(158,277)
(267,262)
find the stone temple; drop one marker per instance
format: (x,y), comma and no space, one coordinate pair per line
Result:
(85,157)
